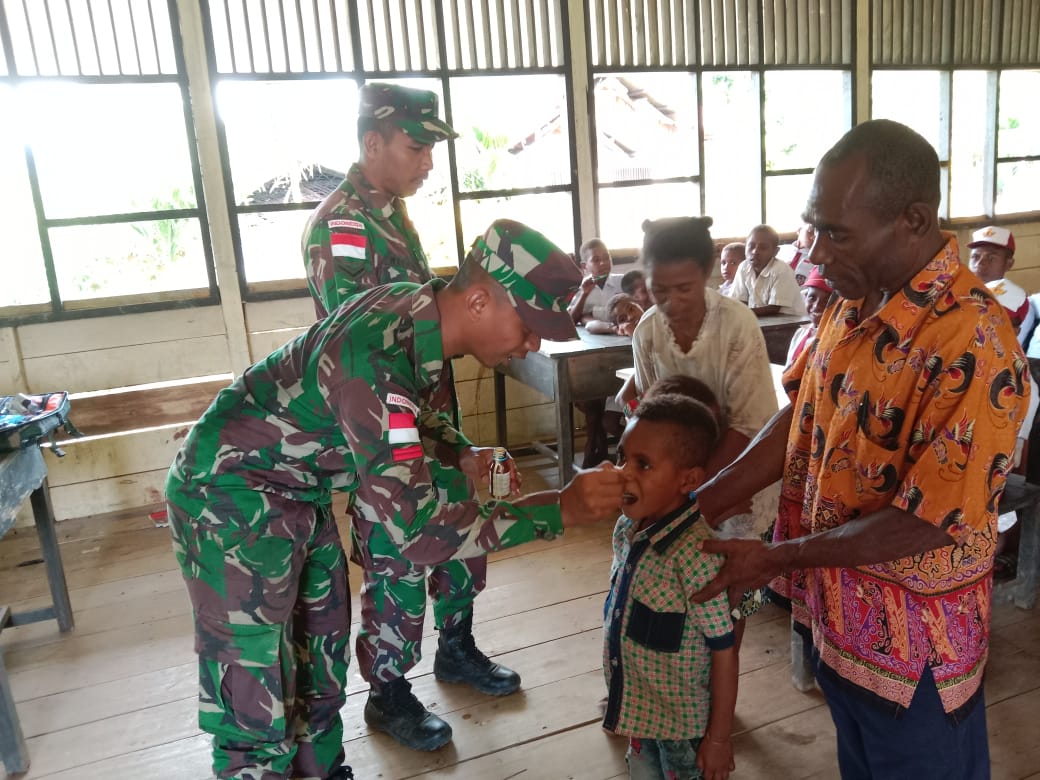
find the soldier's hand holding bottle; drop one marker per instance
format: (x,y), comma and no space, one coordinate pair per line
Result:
(477,462)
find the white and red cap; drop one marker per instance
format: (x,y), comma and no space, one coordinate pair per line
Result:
(997,236)
(1012,297)
(804,267)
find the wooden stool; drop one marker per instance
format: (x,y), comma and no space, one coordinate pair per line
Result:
(23,474)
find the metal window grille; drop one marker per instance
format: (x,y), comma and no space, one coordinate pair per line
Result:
(88,38)
(720,33)
(100,42)
(385,36)
(955,33)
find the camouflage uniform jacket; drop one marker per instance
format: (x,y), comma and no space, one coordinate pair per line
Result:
(359,238)
(338,409)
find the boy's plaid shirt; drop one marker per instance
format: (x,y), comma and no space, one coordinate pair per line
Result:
(657,642)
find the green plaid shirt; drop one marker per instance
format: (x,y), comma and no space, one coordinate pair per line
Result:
(658,643)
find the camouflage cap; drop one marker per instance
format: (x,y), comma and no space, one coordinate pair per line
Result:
(537,275)
(412,110)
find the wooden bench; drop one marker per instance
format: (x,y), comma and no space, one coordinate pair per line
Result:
(23,474)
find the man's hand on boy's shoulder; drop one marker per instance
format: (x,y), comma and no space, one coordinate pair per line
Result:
(750,563)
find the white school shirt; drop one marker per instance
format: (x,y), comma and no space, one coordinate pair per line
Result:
(729,356)
(596,304)
(775,286)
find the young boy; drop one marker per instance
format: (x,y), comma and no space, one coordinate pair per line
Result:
(818,294)
(589,308)
(670,665)
(767,285)
(634,283)
(624,314)
(598,285)
(992,256)
(729,261)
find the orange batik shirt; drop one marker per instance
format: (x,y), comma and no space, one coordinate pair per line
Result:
(915,407)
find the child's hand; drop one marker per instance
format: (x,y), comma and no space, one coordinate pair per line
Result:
(715,759)
(588,283)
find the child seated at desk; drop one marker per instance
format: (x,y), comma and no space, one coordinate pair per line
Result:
(598,285)
(589,308)
(818,294)
(634,283)
(623,314)
(670,664)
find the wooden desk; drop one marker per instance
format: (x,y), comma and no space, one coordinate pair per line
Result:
(582,369)
(23,474)
(778,332)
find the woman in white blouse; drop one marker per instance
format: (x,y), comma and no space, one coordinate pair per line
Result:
(695,331)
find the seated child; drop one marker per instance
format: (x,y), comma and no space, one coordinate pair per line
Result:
(992,256)
(729,261)
(589,308)
(598,285)
(766,284)
(670,664)
(623,314)
(818,294)
(634,283)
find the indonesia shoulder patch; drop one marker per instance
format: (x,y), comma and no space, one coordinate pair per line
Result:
(403,437)
(352,245)
(347,224)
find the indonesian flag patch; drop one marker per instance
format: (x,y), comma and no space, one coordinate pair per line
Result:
(404,437)
(351,245)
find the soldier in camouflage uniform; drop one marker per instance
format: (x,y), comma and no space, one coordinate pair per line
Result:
(338,409)
(359,237)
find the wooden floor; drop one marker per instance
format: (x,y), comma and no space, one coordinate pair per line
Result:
(116,697)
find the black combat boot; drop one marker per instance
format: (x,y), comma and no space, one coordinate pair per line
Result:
(459,660)
(343,773)
(393,708)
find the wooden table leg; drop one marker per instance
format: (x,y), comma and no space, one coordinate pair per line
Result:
(564,423)
(13,753)
(43,514)
(1028,554)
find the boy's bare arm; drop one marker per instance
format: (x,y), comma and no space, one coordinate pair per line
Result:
(715,756)
(599,326)
(576,307)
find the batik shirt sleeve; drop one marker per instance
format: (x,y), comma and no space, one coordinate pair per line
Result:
(962,442)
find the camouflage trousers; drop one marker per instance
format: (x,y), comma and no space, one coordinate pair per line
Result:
(267,578)
(394,590)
